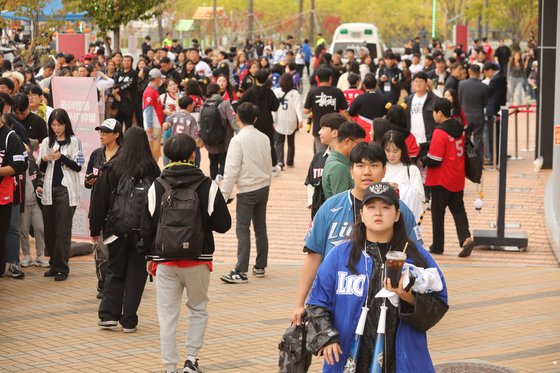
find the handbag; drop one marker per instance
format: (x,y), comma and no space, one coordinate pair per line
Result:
(473,162)
(294,356)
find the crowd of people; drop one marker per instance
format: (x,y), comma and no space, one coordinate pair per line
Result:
(389,143)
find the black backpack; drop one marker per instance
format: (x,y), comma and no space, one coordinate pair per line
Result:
(180,233)
(212,129)
(129,211)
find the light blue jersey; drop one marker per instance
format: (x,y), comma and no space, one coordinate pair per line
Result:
(334,223)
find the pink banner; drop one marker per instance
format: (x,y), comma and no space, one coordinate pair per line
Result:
(78,96)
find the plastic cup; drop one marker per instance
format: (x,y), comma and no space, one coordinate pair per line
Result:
(394,264)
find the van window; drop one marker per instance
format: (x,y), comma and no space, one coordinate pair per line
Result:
(355,46)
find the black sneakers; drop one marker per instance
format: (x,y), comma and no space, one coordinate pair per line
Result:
(234,277)
(14,271)
(258,272)
(191,367)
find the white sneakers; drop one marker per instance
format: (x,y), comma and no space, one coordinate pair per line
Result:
(40,261)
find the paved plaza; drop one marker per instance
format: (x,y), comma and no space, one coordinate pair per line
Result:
(503,305)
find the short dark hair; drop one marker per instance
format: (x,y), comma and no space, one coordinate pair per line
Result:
(247,113)
(261,76)
(8,83)
(353,79)
(179,147)
(390,56)
(21,102)
(5,99)
(369,81)
(212,89)
(332,120)
(372,152)
(185,101)
(444,106)
(455,65)
(165,60)
(420,75)
(324,74)
(351,130)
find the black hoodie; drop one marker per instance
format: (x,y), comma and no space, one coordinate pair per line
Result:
(454,129)
(267,102)
(214,211)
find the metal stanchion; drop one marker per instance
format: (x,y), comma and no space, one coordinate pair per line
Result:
(494,143)
(517,157)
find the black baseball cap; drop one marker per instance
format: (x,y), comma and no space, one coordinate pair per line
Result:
(383,191)
(110,125)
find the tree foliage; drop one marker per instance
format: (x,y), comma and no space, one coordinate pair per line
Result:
(396,21)
(109,15)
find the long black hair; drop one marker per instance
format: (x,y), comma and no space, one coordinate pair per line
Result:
(398,242)
(396,138)
(61,116)
(456,104)
(134,158)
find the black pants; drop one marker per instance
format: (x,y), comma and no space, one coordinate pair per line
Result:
(217,164)
(279,147)
(442,198)
(272,148)
(126,119)
(5,213)
(58,229)
(124,283)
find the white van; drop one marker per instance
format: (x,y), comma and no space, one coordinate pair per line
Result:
(355,36)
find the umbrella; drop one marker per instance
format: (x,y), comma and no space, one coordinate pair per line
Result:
(377,357)
(350,366)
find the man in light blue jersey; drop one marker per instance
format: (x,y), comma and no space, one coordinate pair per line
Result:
(334,222)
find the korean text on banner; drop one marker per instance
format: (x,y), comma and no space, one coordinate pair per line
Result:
(78,96)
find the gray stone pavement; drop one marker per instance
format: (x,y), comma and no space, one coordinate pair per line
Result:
(504,305)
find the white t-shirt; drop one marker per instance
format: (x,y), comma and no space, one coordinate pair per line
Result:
(416,118)
(415,68)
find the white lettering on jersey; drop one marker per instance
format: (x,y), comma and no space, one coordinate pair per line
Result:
(324,100)
(350,284)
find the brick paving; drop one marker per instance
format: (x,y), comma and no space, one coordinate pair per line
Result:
(504,305)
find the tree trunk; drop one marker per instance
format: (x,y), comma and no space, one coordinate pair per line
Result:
(117,39)
(312,23)
(300,22)
(159,23)
(251,20)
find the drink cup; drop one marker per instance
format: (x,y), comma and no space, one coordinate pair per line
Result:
(394,264)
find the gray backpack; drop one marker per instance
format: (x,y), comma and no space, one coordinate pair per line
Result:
(180,233)
(294,356)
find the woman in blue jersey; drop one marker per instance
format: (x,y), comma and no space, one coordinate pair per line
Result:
(352,274)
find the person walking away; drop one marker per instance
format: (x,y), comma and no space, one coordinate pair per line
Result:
(288,119)
(446,177)
(336,176)
(184,121)
(209,117)
(369,105)
(61,159)
(321,100)
(265,100)
(502,55)
(248,167)
(335,306)
(120,210)
(187,270)
(12,163)
(153,113)
(110,137)
(473,98)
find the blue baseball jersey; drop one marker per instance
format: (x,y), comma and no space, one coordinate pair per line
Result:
(334,223)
